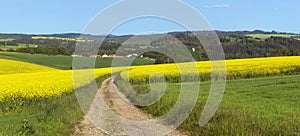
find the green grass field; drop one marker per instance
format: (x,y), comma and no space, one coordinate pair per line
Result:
(42,117)
(65,62)
(6,40)
(17,47)
(258,106)
(265,36)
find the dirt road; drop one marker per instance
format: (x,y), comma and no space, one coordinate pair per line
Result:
(116,103)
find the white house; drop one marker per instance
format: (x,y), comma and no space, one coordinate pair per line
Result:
(104,56)
(193,49)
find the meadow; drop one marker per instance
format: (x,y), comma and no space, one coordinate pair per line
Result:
(11,47)
(256,106)
(6,39)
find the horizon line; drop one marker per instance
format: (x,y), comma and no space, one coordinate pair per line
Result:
(117,34)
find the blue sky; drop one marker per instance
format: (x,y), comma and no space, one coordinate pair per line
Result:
(65,16)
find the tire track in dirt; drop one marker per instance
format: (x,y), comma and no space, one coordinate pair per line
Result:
(117,103)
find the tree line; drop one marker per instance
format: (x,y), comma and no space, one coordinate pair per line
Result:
(235,45)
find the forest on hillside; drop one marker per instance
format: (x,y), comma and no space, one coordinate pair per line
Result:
(236,44)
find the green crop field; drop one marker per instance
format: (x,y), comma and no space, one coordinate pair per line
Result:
(265,36)
(48,116)
(65,62)
(258,106)
(6,47)
(6,40)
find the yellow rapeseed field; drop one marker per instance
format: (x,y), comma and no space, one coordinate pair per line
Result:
(12,67)
(55,82)
(238,68)
(44,84)
(59,38)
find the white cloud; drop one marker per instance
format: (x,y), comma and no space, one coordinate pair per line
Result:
(217,6)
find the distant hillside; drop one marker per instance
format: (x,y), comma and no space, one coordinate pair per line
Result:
(236,44)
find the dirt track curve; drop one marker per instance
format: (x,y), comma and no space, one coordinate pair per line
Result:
(119,104)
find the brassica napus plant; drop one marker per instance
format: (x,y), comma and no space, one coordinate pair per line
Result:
(239,68)
(45,84)
(13,67)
